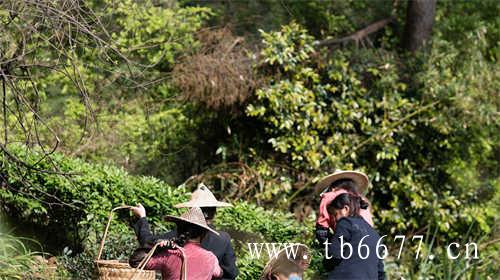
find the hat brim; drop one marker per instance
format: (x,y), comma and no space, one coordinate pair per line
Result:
(282,256)
(359,178)
(174,219)
(190,204)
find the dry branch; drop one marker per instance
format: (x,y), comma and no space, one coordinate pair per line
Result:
(40,38)
(357,36)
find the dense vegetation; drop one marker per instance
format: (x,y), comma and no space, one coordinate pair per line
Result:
(72,210)
(259,99)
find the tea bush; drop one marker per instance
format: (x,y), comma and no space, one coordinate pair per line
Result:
(72,203)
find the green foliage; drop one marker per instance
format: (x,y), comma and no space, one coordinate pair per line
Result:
(104,105)
(85,195)
(82,198)
(250,218)
(288,47)
(435,263)
(80,266)
(424,127)
(157,34)
(323,124)
(356,109)
(321,18)
(17,261)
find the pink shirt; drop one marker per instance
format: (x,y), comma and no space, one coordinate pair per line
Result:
(200,263)
(324,218)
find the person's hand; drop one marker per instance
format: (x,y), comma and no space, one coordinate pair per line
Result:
(139,211)
(168,243)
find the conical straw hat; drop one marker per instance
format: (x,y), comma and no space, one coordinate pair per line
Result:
(202,197)
(193,216)
(301,258)
(359,178)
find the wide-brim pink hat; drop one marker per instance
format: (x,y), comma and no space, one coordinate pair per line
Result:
(203,197)
(193,216)
(359,178)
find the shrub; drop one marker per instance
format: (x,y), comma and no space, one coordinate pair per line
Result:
(17,261)
(73,201)
(427,142)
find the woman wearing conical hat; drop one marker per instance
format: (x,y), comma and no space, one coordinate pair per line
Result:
(340,191)
(288,264)
(329,187)
(219,245)
(187,259)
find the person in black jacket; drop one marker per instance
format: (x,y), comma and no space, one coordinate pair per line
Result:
(360,260)
(341,181)
(220,245)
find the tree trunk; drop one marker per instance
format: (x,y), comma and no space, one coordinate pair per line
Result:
(419,21)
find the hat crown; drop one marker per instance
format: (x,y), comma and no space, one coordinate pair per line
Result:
(194,215)
(282,257)
(202,197)
(202,193)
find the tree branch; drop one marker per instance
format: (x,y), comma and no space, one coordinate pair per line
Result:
(358,35)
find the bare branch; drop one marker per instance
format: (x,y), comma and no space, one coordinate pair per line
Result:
(357,36)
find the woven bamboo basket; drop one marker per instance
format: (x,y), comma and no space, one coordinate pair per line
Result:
(121,270)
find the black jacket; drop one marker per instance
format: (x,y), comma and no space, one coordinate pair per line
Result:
(353,229)
(220,245)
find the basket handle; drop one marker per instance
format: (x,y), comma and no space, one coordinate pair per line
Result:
(184,265)
(107,228)
(146,259)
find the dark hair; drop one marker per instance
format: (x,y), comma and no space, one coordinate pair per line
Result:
(208,212)
(355,203)
(346,184)
(186,231)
